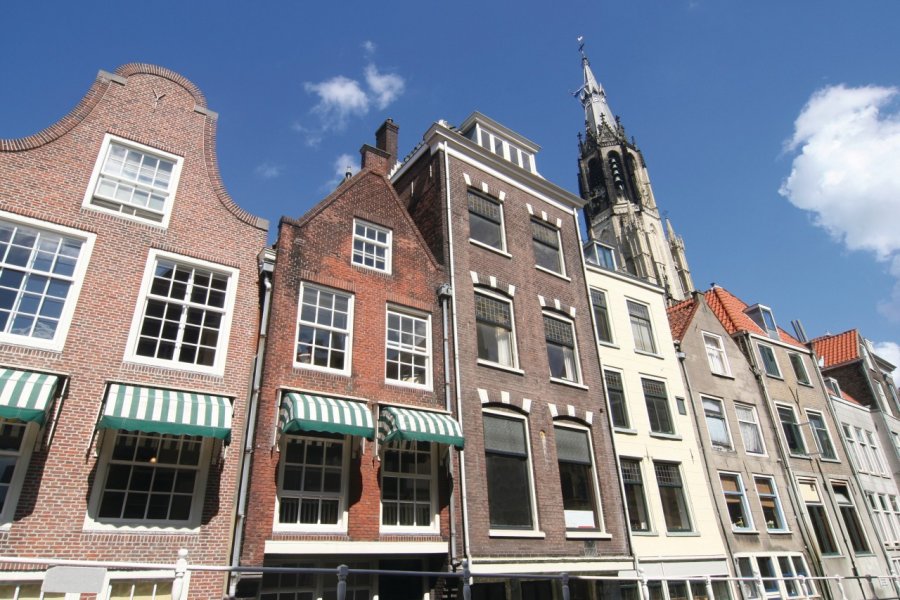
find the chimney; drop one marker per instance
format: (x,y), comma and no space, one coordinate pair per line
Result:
(386,139)
(381,158)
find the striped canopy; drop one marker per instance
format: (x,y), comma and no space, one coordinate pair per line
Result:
(155,410)
(25,395)
(307,412)
(395,423)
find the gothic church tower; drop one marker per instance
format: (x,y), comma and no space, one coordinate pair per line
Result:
(621,211)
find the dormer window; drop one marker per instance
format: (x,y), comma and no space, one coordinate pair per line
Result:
(762,316)
(833,387)
(503,147)
(600,255)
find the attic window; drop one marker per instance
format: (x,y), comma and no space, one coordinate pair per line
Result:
(762,316)
(600,255)
(833,386)
(504,148)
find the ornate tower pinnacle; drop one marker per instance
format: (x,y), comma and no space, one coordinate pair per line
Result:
(621,210)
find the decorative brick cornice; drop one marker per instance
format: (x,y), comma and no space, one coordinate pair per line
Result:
(504,398)
(570,411)
(494,283)
(555,304)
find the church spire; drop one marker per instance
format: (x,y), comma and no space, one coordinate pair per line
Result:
(593,98)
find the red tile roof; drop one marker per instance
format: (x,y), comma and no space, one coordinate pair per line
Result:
(837,349)
(850,398)
(730,311)
(680,316)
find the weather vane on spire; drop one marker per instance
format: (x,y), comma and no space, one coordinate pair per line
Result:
(581,45)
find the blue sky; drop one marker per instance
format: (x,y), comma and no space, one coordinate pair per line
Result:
(712,90)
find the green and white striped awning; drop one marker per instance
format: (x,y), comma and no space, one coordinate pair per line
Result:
(25,395)
(395,423)
(136,408)
(307,412)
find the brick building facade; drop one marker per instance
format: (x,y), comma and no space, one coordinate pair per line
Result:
(354,442)
(128,335)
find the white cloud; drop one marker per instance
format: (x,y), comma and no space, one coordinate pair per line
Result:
(267,170)
(846,172)
(890,352)
(339,98)
(386,87)
(369,47)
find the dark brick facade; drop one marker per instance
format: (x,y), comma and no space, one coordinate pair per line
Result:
(45,176)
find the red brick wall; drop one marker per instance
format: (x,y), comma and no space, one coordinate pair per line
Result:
(318,249)
(46,177)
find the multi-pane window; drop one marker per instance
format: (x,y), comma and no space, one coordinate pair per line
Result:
(799,368)
(867,462)
(576,478)
(671,492)
(791,428)
(311,481)
(833,386)
(292,585)
(494,328)
(615,391)
(12,436)
(779,575)
(486,221)
(508,472)
(821,435)
(750,432)
(851,520)
(562,354)
(856,454)
(641,328)
(601,316)
(770,365)
(150,477)
(408,349)
(323,330)
(884,519)
(600,255)
(635,500)
(37,273)
(715,354)
(135,180)
(547,253)
(184,314)
(716,423)
(815,508)
(736,501)
(371,246)
(878,460)
(771,503)
(406,485)
(657,401)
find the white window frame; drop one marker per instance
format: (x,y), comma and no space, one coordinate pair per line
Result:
(861,530)
(877,458)
(92,522)
(434,525)
(560,255)
(30,433)
(797,424)
(631,318)
(802,363)
(815,432)
(779,507)
(755,424)
(820,502)
(218,368)
(771,350)
(718,347)
(751,589)
(593,256)
(514,352)
(341,525)
(77,278)
(685,497)
(405,348)
(834,388)
(348,352)
(724,417)
(489,140)
(864,452)
(534,530)
(502,249)
(741,494)
(576,359)
(856,452)
(601,524)
(367,241)
(110,139)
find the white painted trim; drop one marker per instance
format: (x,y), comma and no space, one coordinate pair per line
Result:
(316,547)
(348,357)
(389,258)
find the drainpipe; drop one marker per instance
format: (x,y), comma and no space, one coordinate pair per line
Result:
(445,293)
(266,266)
(793,490)
(467,551)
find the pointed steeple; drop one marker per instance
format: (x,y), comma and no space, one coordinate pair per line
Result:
(593,98)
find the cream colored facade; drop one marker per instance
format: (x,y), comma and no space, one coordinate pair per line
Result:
(674,548)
